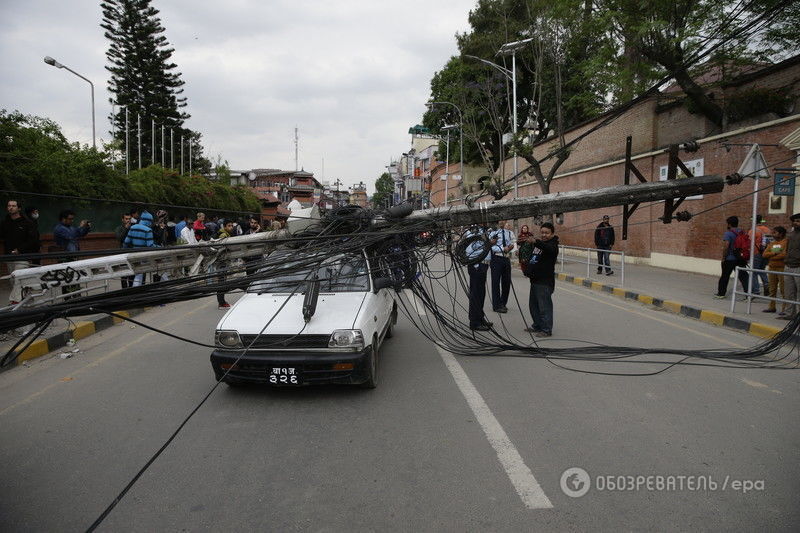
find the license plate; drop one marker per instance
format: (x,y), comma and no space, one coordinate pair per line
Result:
(284,376)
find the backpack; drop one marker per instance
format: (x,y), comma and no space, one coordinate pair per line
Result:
(741,246)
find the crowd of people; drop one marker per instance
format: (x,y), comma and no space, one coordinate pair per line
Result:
(774,250)
(138,229)
(537,257)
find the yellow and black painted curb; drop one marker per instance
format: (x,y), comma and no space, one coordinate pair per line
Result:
(704,315)
(79,330)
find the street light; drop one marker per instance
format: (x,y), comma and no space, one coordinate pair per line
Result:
(460,138)
(510,48)
(50,61)
(447,163)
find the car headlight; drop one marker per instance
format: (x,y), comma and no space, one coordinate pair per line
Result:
(228,338)
(346,338)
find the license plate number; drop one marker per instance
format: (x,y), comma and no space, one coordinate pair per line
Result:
(284,376)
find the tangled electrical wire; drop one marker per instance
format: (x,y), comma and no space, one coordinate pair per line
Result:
(425,260)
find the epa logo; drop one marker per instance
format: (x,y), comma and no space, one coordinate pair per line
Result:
(575,482)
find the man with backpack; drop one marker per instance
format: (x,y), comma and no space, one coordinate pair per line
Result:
(735,252)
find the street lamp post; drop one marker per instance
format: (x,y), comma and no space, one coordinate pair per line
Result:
(50,61)
(510,48)
(127,148)
(447,164)
(460,138)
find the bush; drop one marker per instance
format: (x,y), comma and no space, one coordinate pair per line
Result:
(37,158)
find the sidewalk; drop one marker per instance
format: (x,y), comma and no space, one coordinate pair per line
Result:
(693,291)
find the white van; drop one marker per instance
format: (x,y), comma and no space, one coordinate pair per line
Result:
(322,324)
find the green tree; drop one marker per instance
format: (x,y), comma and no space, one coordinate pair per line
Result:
(680,39)
(553,92)
(144,78)
(384,188)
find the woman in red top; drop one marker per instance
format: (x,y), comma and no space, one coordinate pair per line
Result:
(524,248)
(199,228)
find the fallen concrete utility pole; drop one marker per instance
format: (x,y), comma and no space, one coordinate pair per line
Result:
(39,282)
(566,202)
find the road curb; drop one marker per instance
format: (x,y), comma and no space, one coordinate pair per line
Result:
(716,318)
(80,330)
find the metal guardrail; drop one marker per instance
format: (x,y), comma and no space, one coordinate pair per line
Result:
(750,295)
(590,254)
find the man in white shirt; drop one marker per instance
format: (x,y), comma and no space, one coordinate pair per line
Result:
(187,234)
(501,265)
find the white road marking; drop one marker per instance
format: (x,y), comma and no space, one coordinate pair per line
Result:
(754,384)
(518,472)
(418,307)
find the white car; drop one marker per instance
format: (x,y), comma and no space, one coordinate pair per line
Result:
(292,330)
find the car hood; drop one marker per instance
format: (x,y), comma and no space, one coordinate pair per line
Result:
(251,313)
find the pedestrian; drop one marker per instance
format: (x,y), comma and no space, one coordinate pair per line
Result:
(32,214)
(760,239)
(213,226)
(735,252)
(187,233)
(120,233)
(19,237)
(163,234)
(541,271)
(200,229)
(775,253)
(251,262)
(501,265)
(225,232)
(792,267)
(524,248)
(477,277)
(66,235)
(140,236)
(603,241)
(180,225)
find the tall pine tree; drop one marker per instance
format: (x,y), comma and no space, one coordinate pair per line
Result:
(144,79)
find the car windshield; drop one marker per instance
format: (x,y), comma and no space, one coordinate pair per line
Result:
(342,273)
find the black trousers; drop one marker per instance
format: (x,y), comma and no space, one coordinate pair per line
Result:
(501,281)
(728,266)
(477,293)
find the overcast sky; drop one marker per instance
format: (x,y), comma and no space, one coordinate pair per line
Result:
(352,75)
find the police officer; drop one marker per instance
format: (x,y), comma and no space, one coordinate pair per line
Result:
(477,279)
(504,240)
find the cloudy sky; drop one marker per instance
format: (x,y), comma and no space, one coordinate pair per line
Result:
(352,75)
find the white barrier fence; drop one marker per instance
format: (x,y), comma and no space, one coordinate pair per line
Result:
(591,260)
(749,294)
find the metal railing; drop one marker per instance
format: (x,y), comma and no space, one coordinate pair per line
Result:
(749,295)
(591,260)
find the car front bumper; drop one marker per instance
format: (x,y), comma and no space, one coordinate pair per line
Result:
(313,367)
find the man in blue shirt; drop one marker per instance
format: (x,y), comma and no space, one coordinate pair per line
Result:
(66,235)
(501,265)
(140,236)
(477,280)
(730,260)
(180,225)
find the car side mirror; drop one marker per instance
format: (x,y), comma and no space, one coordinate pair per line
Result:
(382,283)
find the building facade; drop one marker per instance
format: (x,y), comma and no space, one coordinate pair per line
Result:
(664,119)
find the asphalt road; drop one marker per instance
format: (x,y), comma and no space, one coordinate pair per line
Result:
(444,443)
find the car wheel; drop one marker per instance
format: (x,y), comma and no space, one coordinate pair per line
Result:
(392,322)
(372,367)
